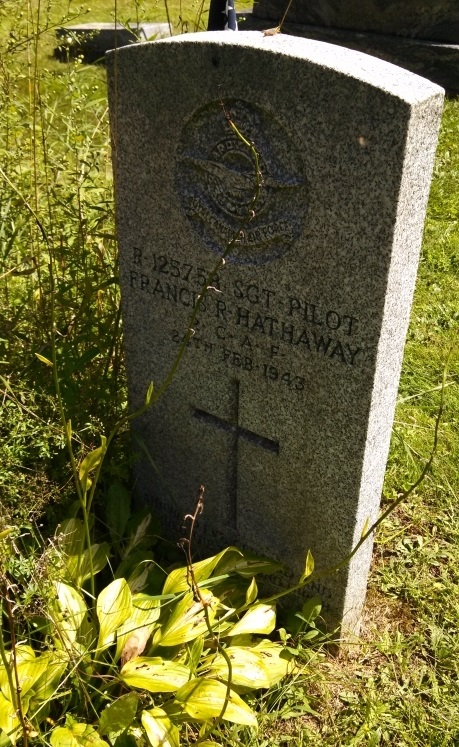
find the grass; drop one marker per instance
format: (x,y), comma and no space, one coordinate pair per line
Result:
(398,685)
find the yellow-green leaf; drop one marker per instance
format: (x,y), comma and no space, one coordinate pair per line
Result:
(154,674)
(248,668)
(261,618)
(72,609)
(252,592)
(90,462)
(55,664)
(195,650)
(43,359)
(119,714)
(27,671)
(187,620)
(178,579)
(114,606)
(366,527)
(248,565)
(76,735)
(149,394)
(71,536)
(99,556)
(138,627)
(204,699)
(159,729)
(9,720)
(278,661)
(308,567)
(30,672)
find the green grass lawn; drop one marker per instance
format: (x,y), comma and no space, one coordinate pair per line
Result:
(398,685)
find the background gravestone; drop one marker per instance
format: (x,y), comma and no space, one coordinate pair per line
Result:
(420,35)
(92,40)
(283,404)
(434,20)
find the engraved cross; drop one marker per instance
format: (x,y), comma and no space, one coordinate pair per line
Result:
(236,431)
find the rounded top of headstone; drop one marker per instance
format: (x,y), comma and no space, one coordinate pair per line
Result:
(394,80)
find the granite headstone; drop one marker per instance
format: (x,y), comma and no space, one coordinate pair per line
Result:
(283,404)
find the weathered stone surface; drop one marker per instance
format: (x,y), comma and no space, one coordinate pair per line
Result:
(283,404)
(416,19)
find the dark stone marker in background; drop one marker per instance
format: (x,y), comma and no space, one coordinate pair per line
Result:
(420,35)
(93,40)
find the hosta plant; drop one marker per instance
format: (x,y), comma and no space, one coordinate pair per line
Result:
(126,666)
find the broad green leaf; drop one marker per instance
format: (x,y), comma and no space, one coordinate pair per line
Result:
(90,462)
(139,625)
(248,668)
(72,609)
(178,580)
(308,567)
(138,578)
(128,738)
(204,699)
(187,620)
(252,592)
(154,674)
(119,714)
(160,730)
(136,568)
(261,618)
(311,609)
(82,566)
(138,535)
(76,735)
(114,606)
(278,661)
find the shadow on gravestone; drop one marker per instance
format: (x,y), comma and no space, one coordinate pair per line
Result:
(283,403)
(420,35)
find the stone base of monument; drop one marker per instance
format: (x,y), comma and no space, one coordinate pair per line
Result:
(93,40)
(433,60)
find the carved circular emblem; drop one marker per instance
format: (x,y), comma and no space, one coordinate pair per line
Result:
(216,182)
